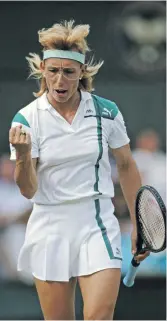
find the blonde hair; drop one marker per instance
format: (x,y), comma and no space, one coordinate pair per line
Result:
(64,36)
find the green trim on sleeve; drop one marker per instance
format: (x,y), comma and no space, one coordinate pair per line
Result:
(107,109)
(19,118)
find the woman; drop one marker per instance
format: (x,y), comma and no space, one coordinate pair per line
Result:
(60,142)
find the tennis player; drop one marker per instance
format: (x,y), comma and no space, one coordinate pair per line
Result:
(60,143)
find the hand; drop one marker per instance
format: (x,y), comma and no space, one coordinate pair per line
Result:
(139,257)
(20,140)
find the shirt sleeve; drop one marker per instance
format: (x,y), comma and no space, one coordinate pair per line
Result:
(118,136)
(22,119)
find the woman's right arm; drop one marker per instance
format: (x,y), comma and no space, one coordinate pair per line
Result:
(25,170)
(25,175)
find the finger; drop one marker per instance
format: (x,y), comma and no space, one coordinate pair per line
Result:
(19,126)
(22,138)
(28,138)
(12,133)
(17,134)
(141,257)
(134,249)
(12,130)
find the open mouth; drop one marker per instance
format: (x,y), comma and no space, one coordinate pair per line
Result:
(60,91)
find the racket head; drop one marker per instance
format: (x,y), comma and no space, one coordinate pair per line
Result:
(151,228)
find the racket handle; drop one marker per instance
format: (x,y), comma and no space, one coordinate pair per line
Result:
(130,276)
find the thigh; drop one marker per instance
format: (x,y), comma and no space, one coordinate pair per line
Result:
(57,299)
(100,292)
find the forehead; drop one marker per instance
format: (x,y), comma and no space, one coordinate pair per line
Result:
(57,62)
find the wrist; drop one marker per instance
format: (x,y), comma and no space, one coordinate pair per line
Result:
(23,156)
(134,223)
(134,226)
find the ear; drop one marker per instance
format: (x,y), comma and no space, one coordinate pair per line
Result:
(42,66)
(83,69)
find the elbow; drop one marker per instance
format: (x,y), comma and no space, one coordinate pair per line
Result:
(28,194)
(27,191)
(123,166)
(126,165)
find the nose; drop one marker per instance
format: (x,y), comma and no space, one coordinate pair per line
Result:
(60,74)
(59,77)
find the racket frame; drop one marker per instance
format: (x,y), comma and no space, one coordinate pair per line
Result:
(140,236)
(129,278)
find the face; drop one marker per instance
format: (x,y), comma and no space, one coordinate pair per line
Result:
(62,78)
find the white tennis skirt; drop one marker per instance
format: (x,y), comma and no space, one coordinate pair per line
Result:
(70,240)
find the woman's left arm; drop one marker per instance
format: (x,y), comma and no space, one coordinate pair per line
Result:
(130,182)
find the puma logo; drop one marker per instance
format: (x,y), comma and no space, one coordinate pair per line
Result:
(107,112)
(118,251)
(89,111)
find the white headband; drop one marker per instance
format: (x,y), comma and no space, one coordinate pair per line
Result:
(65,54)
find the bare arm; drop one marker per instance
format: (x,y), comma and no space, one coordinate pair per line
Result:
(25,175)
(130,182)
(129,177)
(25,171)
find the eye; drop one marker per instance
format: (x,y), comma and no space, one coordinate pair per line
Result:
(53,70)
(69,71)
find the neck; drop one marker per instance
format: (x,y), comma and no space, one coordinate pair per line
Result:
(66,107)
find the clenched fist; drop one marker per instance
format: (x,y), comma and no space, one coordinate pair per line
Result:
(20,140)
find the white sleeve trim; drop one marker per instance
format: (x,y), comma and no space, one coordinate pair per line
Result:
(118,136)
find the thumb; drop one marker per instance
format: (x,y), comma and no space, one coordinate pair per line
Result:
(134,248)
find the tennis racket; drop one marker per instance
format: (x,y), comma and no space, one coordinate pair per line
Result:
(151,227)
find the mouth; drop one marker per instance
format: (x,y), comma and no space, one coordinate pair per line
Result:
(60,92)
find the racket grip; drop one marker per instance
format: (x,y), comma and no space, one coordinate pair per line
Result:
(130,276)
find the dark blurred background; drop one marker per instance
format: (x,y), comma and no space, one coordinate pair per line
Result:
(130,36)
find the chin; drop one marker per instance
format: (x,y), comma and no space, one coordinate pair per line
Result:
(61,100)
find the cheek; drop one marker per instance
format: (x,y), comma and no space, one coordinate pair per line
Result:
(48,82)
(49,78)
(74,86)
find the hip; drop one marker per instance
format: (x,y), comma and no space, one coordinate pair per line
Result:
(73,220)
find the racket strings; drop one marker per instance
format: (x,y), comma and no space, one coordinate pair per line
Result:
(151,221)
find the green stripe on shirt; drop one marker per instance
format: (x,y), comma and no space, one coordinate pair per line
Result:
(103,230)
(96,187)
(99,137)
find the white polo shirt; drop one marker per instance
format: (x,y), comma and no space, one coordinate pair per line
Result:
(73,160)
